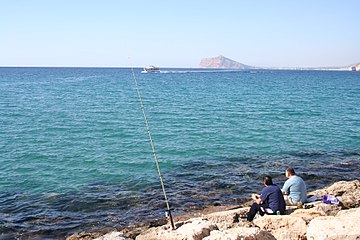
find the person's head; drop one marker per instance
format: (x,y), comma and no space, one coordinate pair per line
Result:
(268,181)
(289,172)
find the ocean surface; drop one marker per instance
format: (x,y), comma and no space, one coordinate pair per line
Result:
(75,154)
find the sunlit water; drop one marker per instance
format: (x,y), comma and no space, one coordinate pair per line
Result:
(75,154)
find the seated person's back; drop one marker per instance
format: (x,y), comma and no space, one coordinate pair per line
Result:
(294,188)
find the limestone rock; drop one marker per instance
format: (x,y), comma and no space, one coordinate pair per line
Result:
(308,214)
(113,236)
(222,62)
(355,212)
(347,192)
(240,233)
(346,225)
(85,236)
(325,221)
(194,229)
(351,199)
(197,229)
(327,209)
(225,220)
(283,227)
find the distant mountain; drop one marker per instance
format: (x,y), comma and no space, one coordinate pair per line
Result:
(222,62)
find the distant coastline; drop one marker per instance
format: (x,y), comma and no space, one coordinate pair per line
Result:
(221,62)
(207,64)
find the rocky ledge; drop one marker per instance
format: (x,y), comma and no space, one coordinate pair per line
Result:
(319,221)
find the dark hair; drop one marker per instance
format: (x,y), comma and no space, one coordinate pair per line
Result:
(290,170)
(268,181)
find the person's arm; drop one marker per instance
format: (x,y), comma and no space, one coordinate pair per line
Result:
(256,198)
(285,188)
(259,201)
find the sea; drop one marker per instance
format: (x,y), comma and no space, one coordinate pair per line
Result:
(75,154)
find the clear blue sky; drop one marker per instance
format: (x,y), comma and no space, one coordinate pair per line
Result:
(179,33)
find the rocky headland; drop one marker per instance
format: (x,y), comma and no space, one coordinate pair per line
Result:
(221,62)
(316,221)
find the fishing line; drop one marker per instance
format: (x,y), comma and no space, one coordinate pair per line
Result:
(153,149)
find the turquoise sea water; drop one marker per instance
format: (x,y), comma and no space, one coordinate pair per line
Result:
(75,155)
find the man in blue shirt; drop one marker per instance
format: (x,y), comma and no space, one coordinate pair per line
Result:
(270,201)
(294,188)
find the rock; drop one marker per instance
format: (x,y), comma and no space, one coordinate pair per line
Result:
(351,199)
(325,221)
(308,214)
(345,225)
(327,209)
(84,236)
(194,229)
(355,212)
(222,62)
(320,209)
(225,220)
(197,229)
(113,236)
(283,227)
(240,233)
(347,192)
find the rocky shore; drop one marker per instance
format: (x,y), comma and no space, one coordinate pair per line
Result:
(316,221)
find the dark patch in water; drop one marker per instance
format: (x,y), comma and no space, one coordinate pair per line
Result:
(190,186)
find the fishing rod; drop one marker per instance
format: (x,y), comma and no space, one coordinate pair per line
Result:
(168,212)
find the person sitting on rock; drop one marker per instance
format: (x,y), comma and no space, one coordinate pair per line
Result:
(294,188)
(271,200)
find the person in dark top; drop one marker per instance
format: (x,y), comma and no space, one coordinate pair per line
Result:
(270,201)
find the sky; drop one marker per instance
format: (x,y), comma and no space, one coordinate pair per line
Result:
(114,33)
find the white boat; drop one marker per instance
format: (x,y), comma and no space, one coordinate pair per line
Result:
(150,69)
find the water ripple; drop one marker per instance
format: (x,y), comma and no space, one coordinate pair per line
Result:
(75,156)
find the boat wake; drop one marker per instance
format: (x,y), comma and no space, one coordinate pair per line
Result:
(199,71)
